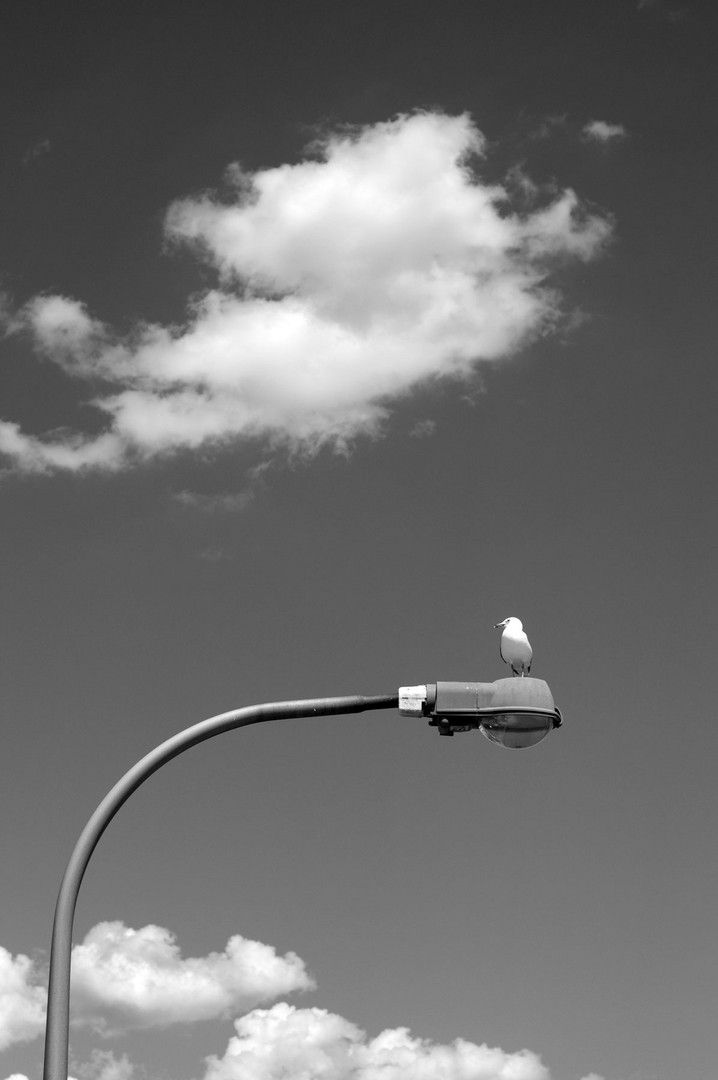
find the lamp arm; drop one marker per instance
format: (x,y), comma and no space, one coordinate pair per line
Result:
(57,1025)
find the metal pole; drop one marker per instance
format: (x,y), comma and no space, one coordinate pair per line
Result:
(57,1025)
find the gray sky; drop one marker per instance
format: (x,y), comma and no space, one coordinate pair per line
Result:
(331,339)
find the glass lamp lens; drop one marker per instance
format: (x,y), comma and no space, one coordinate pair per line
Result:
(516,730)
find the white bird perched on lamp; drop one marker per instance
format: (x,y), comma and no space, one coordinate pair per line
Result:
(515,647)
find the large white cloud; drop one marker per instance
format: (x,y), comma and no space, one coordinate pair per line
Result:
(284,1043)
(344,281)
(22,1001)
(126,979)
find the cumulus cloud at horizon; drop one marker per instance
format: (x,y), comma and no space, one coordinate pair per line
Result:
(345,281)
(287,1043)
(125,980)
(128,980)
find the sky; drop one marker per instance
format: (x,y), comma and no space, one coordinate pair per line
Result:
(332,335)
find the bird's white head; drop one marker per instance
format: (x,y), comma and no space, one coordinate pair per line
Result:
(511,623)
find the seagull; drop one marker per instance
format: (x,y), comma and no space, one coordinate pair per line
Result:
(515,647)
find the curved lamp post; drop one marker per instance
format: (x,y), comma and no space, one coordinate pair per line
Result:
(512,712)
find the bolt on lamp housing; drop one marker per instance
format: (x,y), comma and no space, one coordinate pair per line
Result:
(513,713)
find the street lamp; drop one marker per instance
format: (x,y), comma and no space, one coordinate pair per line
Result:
(512,712)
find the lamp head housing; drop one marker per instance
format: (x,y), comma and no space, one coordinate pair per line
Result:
(513,713)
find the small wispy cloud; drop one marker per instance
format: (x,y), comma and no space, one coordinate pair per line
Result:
(345,281)
(422,429)
(225,502)
(548,125)
(603,132)
(599,131)
(215,553)
(104,1065)
(667,10)
(38,150)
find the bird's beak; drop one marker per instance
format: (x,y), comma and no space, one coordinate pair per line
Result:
(498,624)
